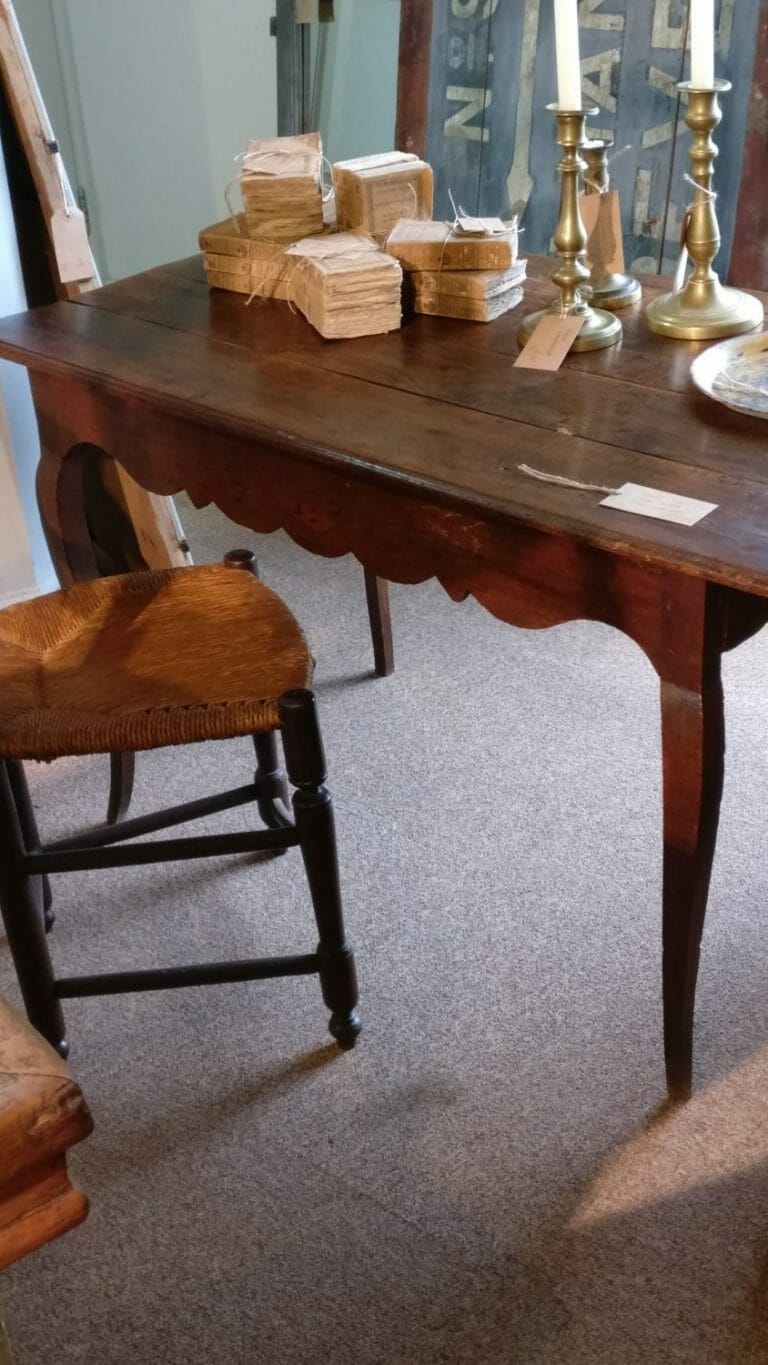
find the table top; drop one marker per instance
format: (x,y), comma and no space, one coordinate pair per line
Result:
(438,405)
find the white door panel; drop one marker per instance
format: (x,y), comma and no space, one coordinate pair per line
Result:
(161,95)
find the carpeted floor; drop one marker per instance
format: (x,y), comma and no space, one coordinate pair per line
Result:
(491,1176)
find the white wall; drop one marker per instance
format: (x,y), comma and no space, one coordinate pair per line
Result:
(355,80)
(25,567)
(161,95)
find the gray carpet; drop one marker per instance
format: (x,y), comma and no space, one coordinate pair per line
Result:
(491,1176)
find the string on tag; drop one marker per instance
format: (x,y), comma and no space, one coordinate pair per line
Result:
(257,287)
(53,147)
(410,211)
(563,482)
(234,217)
(326,194)
(678,281)
(709,195)
(593,185)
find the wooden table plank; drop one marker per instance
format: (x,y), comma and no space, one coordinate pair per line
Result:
(464,455)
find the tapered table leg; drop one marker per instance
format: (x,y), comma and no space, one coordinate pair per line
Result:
(693,743)
(379,615)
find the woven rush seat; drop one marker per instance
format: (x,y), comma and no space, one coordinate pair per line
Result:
(145,660)
(138,662)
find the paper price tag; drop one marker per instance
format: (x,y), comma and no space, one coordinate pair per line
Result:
(71,246)
(550,342)
(601,216)
(652,502)
(480,227)
(306,11)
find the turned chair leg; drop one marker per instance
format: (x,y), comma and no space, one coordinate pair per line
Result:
(380,617)
(31,836)
(270,778)
(271,782)
(22,914)
(313,813)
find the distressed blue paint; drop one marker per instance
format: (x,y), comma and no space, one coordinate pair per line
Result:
(474,52)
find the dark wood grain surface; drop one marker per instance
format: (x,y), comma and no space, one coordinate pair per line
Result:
(439,403)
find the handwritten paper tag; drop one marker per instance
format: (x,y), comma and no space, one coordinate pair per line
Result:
(601,216)
(550,341)
(480,227)
(71,246)
(652,502)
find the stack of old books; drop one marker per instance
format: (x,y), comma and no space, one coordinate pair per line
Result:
(281,185)
(345,285)
(375,192)
(244,264)
(466,269)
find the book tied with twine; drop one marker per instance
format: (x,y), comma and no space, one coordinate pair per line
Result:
(243,264)
(375,192)
(345,285)
(475,295)
(281,185)
(420,245)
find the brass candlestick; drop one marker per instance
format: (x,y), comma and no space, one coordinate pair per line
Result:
(610,289)
(599,328)
(703,308)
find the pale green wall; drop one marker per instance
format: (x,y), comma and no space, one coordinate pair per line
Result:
(355,85)
(160,96)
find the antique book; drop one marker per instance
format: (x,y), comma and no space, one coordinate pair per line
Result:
(480,295)
(281,185)
(474,284)
(345,286)
(470,310)
(241,263)
(227,238)
(427,245)
(375,192)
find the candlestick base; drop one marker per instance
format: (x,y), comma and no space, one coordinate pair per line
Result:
(616,291)
(703,311)
(600,328)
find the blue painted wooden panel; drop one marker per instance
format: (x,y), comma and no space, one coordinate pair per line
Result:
(491,140)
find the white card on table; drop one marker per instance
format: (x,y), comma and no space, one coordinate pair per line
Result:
(652,502)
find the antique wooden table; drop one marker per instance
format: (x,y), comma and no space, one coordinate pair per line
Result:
(404,450)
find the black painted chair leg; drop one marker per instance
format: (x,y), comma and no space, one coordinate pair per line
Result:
(22,912)
(270,778)
(271,782)
(30,835)
(122,770)
(313,813)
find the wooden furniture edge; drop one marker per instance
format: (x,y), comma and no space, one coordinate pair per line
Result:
(749,251)
(414,62)
(42,1114)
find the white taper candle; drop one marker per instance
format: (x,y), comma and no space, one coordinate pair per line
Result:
(567,54)
(702,22)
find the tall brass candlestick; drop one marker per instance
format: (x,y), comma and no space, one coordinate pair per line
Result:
(599,328)
(610,289)
(703,308)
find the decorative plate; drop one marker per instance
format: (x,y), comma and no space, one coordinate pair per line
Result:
(735,372)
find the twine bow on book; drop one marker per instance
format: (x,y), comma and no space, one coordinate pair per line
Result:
(351,248)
